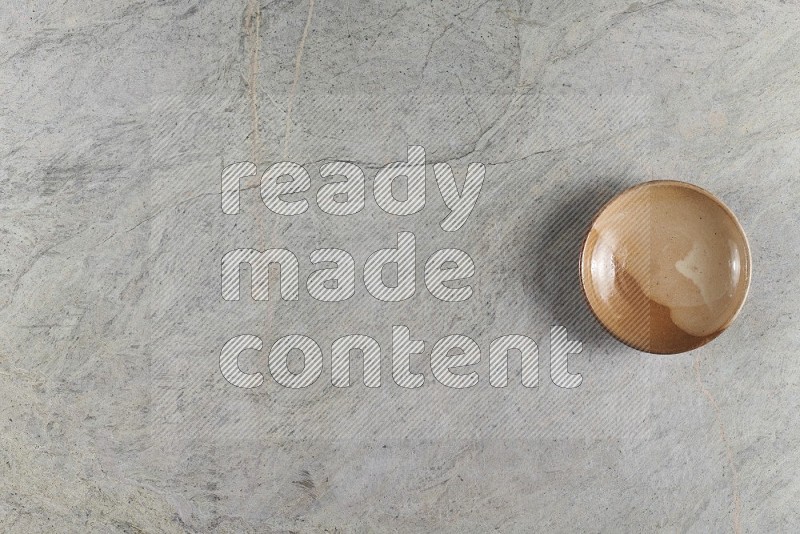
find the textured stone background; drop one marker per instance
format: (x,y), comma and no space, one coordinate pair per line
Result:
(117,118)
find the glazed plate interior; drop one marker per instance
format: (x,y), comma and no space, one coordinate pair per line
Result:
(665,267)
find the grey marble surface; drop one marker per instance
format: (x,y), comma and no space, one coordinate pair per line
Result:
(116,120)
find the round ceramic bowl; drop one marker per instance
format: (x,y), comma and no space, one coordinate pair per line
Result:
(665,267)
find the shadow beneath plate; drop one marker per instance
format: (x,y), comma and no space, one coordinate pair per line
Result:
(553,251)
